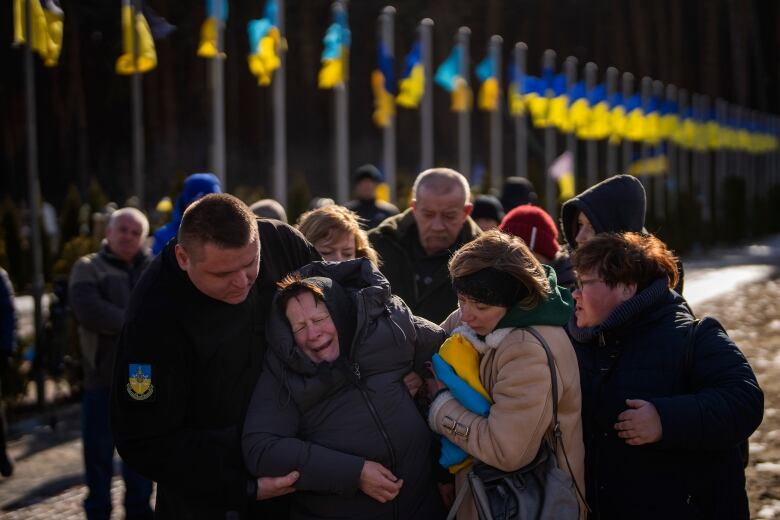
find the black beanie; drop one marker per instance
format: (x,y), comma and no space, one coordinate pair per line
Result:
(487,206)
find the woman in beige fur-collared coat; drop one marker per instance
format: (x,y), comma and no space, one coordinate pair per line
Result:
(501,290)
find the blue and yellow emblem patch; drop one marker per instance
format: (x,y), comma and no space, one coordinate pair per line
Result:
(140,385)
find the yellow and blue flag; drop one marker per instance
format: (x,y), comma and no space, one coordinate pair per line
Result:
(135,25)
(382,83)
(46,23)
(449,78)
(412,83)
(335,54)
(516,93)
(489,90)
(656,163)
(669,122)
(264,44)
(596,125)
(216,13)
(635,119)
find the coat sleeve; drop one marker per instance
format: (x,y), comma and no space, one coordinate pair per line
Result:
(429,338)
(91,308)
(272,447)
(151,434)
(451,322)
(510,436)
(725,404)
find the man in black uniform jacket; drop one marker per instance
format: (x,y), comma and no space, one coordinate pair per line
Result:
(190,354)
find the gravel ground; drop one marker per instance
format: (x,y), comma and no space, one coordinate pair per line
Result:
(752,318)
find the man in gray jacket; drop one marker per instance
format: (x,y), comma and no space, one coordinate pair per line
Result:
(100,286)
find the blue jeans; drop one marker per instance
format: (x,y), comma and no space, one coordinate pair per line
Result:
(99,463)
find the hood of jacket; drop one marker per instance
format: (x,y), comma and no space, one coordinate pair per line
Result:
(355,294)
(616,204)
(556,310)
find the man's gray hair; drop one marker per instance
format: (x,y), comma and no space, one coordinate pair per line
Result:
(132,213)
(441,180)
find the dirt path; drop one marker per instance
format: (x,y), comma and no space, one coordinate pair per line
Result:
(752,318)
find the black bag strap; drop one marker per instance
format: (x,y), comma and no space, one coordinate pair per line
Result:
(557,435)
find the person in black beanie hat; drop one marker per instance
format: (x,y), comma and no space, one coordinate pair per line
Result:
(487,212)
(517,191)
(366,181)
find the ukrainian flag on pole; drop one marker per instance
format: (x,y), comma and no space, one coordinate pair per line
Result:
(134,25)
(216,13)
(412,82)
(264,44)
(46,27)
(448,77)
(383,83)
(335,54)
(487,99)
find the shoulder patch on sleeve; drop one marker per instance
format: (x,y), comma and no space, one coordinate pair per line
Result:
(139,386)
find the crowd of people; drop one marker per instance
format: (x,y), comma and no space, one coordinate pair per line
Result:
(364,362)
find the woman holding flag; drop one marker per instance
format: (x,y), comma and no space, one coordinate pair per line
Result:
(502,291)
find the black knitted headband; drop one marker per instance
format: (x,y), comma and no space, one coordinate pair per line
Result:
(491,287)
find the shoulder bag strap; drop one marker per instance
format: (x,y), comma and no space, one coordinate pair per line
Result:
(558,437)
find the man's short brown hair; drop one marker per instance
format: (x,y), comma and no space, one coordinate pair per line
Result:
(219,219)
(627,258)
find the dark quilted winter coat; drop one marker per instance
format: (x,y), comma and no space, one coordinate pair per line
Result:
(706,396)
(326,419)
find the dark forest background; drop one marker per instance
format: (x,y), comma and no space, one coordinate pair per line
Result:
(723,48)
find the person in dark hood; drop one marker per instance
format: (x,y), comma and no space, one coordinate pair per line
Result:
(615,205)
(331,404)
(517,191)
(195,186)
(366,205)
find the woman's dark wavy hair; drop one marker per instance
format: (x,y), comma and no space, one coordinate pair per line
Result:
(627,258)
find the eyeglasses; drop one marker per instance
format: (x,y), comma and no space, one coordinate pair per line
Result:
(579,283)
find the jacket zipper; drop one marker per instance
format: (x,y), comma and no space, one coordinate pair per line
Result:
(372,410)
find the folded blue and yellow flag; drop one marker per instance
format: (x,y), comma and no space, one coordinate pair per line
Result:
(264,44)
(411,86)
(457,366)
(46,25)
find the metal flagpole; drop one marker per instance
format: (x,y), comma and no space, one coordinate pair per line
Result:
(683,163)
(464,116)
(426,105)
(216,67)
(612,162)
(341,105)
(659,180)
(550,190)
(137,115)
(591,146)
(496,136)
(705,173)
(34,196)
(280,114)
(672,180)
(721,112)
(646,89)
(570,68)
(386,33)
(628,89)
(521,130)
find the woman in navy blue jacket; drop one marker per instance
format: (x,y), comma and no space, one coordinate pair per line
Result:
(666,403)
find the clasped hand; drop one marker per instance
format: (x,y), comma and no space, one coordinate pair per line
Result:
(640,424)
